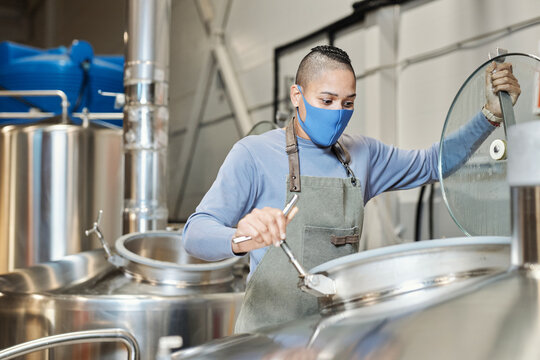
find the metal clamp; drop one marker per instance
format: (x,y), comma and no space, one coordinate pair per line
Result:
(73,338)
(119,98)
(314,284)
(59,93)
(166,344)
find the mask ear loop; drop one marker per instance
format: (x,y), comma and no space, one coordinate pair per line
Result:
(297,107)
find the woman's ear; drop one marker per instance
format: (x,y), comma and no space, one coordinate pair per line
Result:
(295,95)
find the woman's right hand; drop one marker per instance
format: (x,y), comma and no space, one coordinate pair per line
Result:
(266,226)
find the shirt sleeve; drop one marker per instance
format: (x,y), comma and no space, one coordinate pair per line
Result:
(394,169)
(208,232)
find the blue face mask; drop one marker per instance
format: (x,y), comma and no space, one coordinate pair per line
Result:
(323,126)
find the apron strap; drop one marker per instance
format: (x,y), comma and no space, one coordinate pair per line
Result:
(342,154)
(294,163)
(292,152)
(344,158)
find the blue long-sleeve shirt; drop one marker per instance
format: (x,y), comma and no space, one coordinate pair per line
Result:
(254,175)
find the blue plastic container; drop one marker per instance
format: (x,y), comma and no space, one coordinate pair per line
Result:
(74,70)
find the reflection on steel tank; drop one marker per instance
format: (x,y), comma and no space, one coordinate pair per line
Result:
(150,287)
(54,177)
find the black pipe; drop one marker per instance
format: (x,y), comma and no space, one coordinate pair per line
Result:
(430,210)
(418,220)
(360,9)
(83,89)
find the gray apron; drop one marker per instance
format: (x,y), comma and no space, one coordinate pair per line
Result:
(327,226)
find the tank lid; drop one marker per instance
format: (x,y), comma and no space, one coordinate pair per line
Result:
(159,257)
(393,272)
(476,191)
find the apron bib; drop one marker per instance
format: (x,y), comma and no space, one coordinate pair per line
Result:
(327,226)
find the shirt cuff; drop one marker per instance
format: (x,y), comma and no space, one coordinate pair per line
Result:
(227,243)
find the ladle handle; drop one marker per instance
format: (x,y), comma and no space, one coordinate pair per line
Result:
(73,338)
(287,250)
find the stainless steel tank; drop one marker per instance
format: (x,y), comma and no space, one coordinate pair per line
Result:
(154,289)
(54,176)
(371,287)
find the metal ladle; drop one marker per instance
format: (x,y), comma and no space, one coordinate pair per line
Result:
(314,284)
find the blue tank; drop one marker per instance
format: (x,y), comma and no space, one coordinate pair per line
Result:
(74,70)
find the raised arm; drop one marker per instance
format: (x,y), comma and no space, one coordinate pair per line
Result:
(394,169)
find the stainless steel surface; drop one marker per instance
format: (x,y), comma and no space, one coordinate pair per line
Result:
(84,292)
(377,289)
(286,211)
(166,344)
(99,116)
(25,115)
(146,114)
(497,319)
(59,93)
(79,337)
(526,226)
(96,230)
(53,179)
(318,285)
(373,276)
(240,239)
(524,178)
(158,257)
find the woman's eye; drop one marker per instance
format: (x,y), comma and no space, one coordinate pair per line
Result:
(326,101)
(348,104)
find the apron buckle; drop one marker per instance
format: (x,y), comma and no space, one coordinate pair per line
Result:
(291,149)
(343,240)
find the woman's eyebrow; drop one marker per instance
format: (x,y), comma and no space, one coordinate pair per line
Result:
(334,94)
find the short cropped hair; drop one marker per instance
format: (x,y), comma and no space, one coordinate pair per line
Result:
(321,58)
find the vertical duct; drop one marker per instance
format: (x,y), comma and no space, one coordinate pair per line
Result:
(146,114)
(524,179)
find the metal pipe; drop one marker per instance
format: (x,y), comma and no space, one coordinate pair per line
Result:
(74,338)
(59,93)
(524,178)
(25,115)
(146,115)
(526,225)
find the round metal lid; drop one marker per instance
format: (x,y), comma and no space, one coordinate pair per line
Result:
(477,194)
(159,257)
(440,266)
